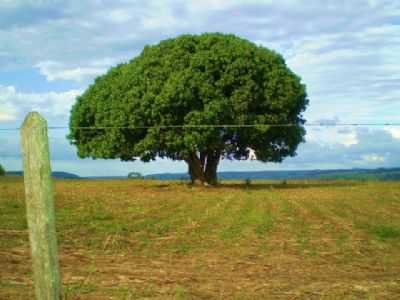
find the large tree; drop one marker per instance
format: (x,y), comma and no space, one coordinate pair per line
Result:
(151,106)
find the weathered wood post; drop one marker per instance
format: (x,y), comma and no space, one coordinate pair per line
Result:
(40,207)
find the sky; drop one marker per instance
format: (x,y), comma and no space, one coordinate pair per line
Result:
(346,52)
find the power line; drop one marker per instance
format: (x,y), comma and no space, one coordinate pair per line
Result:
(212,126)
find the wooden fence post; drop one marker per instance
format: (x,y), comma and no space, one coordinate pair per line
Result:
(40,207)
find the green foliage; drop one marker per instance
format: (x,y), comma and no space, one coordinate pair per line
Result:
(385,232)
(192,80)
(247,182)
(2,171)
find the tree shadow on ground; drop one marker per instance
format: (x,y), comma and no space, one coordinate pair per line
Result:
(288,185)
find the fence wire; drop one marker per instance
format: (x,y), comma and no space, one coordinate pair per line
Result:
(209,126)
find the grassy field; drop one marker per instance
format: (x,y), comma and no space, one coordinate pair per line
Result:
(128,239)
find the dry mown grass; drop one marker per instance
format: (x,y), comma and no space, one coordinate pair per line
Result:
(122,239)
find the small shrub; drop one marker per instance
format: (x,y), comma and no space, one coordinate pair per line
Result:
(247,182)
(183,179)
(2,171)
(135,175)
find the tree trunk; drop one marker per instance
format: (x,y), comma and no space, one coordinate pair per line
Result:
(195,169)
(203,170)
(210,173)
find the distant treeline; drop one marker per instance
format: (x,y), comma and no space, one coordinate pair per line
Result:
(55,174)
(350,174)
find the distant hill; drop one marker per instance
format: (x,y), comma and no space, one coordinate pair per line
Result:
(55,174)
(351,174)
(354,174)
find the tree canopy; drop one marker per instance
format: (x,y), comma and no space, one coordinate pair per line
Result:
(150,106)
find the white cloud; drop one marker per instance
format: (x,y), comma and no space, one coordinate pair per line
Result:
(7,112)
(159,22)
(252,154)
(160,15)
(373,158)
(196,7)
(14,105)
(119,16)
(345,52)
(349,139)
(394,131)
(57,71)
(332,136)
